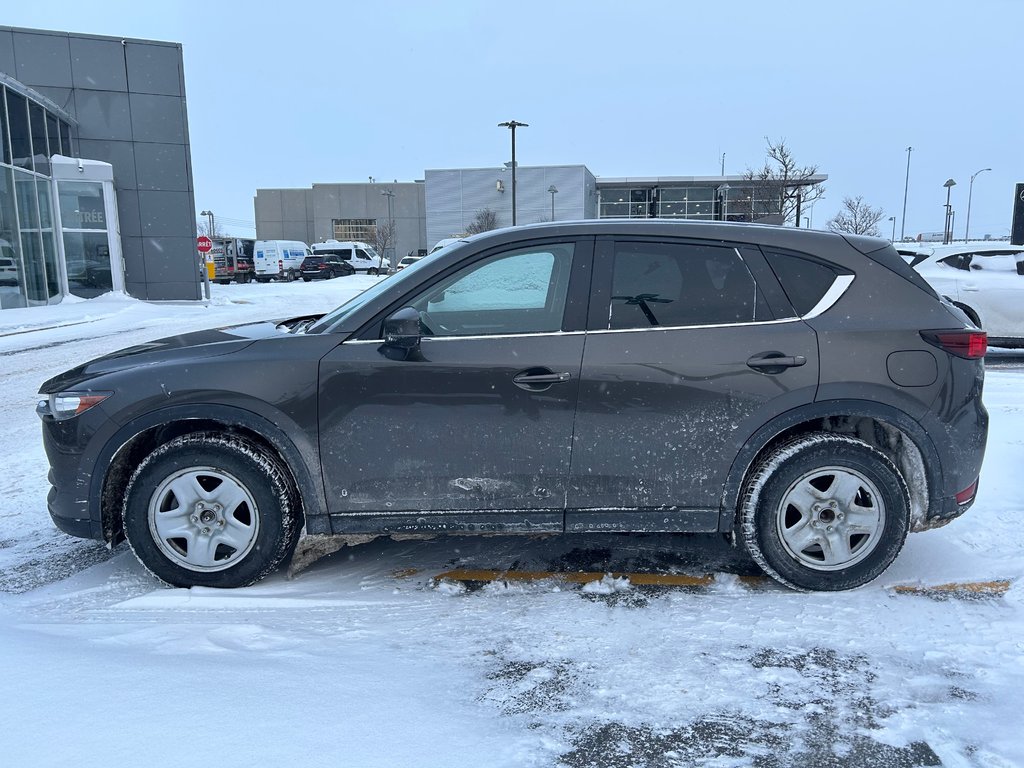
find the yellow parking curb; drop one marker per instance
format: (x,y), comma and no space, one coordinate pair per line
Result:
(970,589)
(955,589)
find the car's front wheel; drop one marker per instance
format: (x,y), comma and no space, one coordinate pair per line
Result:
(210,510)
(824,512)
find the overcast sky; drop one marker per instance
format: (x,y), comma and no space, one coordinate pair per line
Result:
(310,92)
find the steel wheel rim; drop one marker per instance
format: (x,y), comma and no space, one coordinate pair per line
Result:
(203,519)
(831,518)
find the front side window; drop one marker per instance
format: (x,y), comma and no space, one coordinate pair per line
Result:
(672,285)
(523,291)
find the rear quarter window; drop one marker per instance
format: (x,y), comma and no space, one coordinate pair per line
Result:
(804,281)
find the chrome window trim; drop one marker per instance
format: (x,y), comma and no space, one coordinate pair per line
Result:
(696,327)
(832,295)
(479,336)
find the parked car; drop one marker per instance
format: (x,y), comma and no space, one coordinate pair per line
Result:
(985,280)
(608,376)
(8,271)
(445,242)
(408,261)
(361,256)
(325,268)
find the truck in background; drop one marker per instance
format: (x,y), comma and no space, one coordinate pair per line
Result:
(279,259)
(233,259)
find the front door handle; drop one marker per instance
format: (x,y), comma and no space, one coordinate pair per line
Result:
(775,362)
(539,379)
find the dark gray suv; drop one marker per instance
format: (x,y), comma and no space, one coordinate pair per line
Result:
(804,393)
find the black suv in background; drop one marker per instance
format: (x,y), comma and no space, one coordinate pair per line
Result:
(325,268)
(805,393)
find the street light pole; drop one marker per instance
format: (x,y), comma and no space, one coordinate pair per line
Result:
(906,187)
(970,192)
(724,191)
(209,215)
(947,233)
(512,125)
(554,191)
(893,220)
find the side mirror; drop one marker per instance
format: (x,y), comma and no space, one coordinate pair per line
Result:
(402,329)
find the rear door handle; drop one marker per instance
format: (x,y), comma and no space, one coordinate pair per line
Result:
(539,379)
(775,362)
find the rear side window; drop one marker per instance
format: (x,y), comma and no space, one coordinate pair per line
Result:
(668,284)
(804,281)
(957,261)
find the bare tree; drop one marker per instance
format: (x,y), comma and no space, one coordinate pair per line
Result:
(856,218)
(484,221)
(383,238)
(203,228)
(779,183)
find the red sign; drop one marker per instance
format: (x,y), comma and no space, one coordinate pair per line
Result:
(203,244)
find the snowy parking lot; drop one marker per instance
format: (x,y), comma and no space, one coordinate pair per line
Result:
(372,657)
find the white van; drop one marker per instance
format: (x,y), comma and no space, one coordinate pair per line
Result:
(279,259)
(361,256)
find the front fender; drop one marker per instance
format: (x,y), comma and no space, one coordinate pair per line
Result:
(299,453)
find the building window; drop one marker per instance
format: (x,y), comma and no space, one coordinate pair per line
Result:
(358,230)
(625,203)
(40,152)
(17,123)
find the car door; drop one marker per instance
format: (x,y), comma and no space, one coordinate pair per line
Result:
(477,419)
(992,286)
(684,361)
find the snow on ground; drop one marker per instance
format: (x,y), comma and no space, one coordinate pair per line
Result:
(366,660)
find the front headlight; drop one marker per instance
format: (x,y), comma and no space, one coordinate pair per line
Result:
(67,405)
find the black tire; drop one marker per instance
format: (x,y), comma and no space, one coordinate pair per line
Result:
(262,279)
(305,279)
(372,271)
(177,527)
(855,518)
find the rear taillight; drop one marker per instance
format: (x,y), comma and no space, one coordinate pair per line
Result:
(971,345)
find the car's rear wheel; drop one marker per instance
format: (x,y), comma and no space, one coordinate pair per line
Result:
(824,512)
(210,510)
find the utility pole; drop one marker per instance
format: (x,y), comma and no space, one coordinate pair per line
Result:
(906,187)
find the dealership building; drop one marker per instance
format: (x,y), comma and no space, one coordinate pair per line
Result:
(96,190)
(95,170)
(446,201)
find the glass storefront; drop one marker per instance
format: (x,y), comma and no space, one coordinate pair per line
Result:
(737,203)
(32,269)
